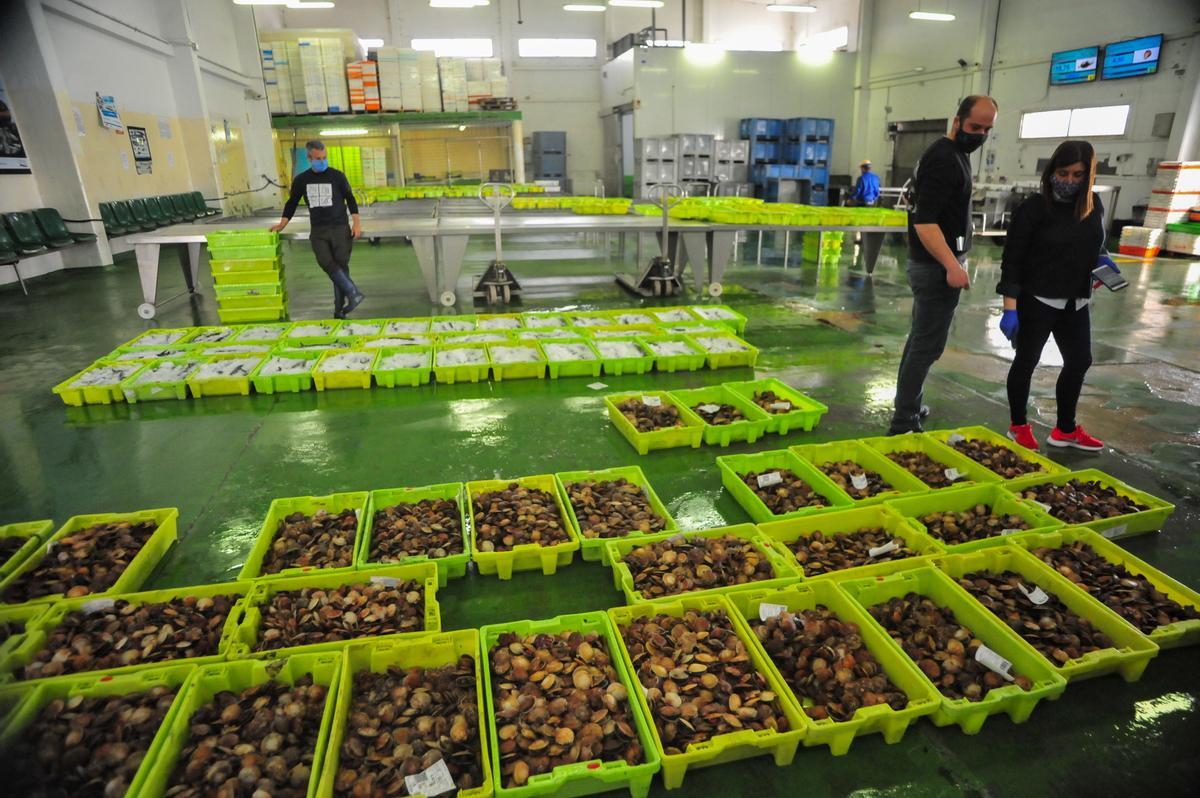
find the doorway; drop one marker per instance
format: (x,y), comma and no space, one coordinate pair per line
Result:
(909,142)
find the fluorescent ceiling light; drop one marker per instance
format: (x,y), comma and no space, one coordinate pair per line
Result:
(260,2)
(457,3)
(296,5)
(346,131)
(931,16)
(593,7)
(367,44)
(636,3)
(790,9)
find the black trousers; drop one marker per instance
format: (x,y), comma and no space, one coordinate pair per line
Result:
(332,245)
(1072,331)
(933,308)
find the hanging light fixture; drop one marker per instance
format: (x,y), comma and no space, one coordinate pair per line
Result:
(932,16)
(594,8)
(787,8)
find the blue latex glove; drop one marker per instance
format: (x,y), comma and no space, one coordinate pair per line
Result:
(1008,324)
(1104,260)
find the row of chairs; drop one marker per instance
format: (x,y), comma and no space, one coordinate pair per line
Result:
(24,234)
(135,215)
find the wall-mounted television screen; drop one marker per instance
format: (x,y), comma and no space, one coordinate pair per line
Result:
(1074,66)
(1131,58)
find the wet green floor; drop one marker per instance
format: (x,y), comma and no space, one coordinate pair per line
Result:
(830,332)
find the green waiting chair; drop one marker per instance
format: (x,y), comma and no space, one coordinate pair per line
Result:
(182,207)
(55,227)
(112,228)
(9,256)
(198,204)
(125,216)
(169,209)
(155,211)
(138,208)
(25,232)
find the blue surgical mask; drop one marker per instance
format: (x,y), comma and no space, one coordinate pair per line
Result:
(319,164)
(1065,189)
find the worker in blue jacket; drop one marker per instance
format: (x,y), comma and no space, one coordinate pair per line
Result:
(866,188)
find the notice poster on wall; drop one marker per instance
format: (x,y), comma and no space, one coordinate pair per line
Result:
(13,160)
(106,107)
(139,143)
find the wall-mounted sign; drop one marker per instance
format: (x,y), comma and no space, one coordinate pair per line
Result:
(13,160)
(139,143)
(106,107)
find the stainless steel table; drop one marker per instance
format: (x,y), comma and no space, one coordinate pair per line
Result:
(440,243)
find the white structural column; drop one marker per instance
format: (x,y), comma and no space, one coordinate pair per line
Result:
(1184,144)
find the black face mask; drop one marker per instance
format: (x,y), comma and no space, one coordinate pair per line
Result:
(969,142)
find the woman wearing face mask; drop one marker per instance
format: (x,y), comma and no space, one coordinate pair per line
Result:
(1053,243)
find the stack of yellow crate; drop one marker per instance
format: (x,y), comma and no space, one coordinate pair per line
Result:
(248,275)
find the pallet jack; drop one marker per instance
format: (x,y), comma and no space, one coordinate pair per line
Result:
(497,285)
(660,277)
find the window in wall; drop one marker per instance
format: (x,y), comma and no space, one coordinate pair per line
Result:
(556,48)
(1102,120)
(456,48)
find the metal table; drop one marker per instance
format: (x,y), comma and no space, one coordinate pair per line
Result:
(440,243)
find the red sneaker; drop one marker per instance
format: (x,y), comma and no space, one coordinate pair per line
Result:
(1079,439)
(1023,435)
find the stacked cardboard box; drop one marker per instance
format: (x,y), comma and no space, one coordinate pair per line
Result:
(363,78)
(296,72)
(333,67)
(453,72)
(374,167)
(315,95)
(1176,190)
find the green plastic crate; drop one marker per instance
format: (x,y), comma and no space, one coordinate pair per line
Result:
(724,747)
(878,516)
(593,549)
(617,366)
(750,429)
(139,568)
(542,320)
(136,389)
(364,328)
(266,333)
(269,306)
(309,505)
(23,616)
(181,336)
(241,291)
(126,354)
(937,451)
(902,482)
(690,434)
(243,251)
(406,326)
(672,363)
(1133,650)
(103,394)
(245,637)
(223,239)
(1180,633)
(464,373)
(572,368)
(1049,467)
(970,716)
(527,556)
(728,316)
(923,699)
(517,371)
(1122,526)
(34,532)
(208,680)
(436,651)
(311,331)
(781,564)
(224,386)
(248,277)
(732,466)
(343,378)
(672,315)
(441,324)
(257,265)
(486,337)
(392,378)
(279,383)
(253,314)
(499,321)
(39,631)
(577,778)
(720,360)
(806,413)
(451,567)
(960,499)
(90,686)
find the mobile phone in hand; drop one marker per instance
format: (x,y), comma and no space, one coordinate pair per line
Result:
(1110,278)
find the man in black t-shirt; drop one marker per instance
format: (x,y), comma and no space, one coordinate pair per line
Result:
(327,194)
(939,237)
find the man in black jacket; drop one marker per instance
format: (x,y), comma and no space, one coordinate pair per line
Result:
(939,237)
(328,194)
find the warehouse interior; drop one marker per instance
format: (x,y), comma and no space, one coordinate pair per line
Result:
(661,201)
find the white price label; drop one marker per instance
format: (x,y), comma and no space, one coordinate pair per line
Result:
(434,780)
(597,386)
(993,662)
(767,610)
(710,409)
(886,548)
(1115,531)
(652,401)
(767,480)
(953,474)
(49,548)
(386,581)
(97,605)
(858,481)
(1010,531)
(1043,505)
(955,438)
(1037,595)
(781,405)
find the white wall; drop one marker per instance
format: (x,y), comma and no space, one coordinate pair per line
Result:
(1027,33)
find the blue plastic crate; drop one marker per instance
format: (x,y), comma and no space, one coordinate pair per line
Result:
(824,129)
(793,152)
(755,127)
(819,197)
(764,151)
(815,153)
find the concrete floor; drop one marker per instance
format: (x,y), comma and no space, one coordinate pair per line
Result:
(831,331)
